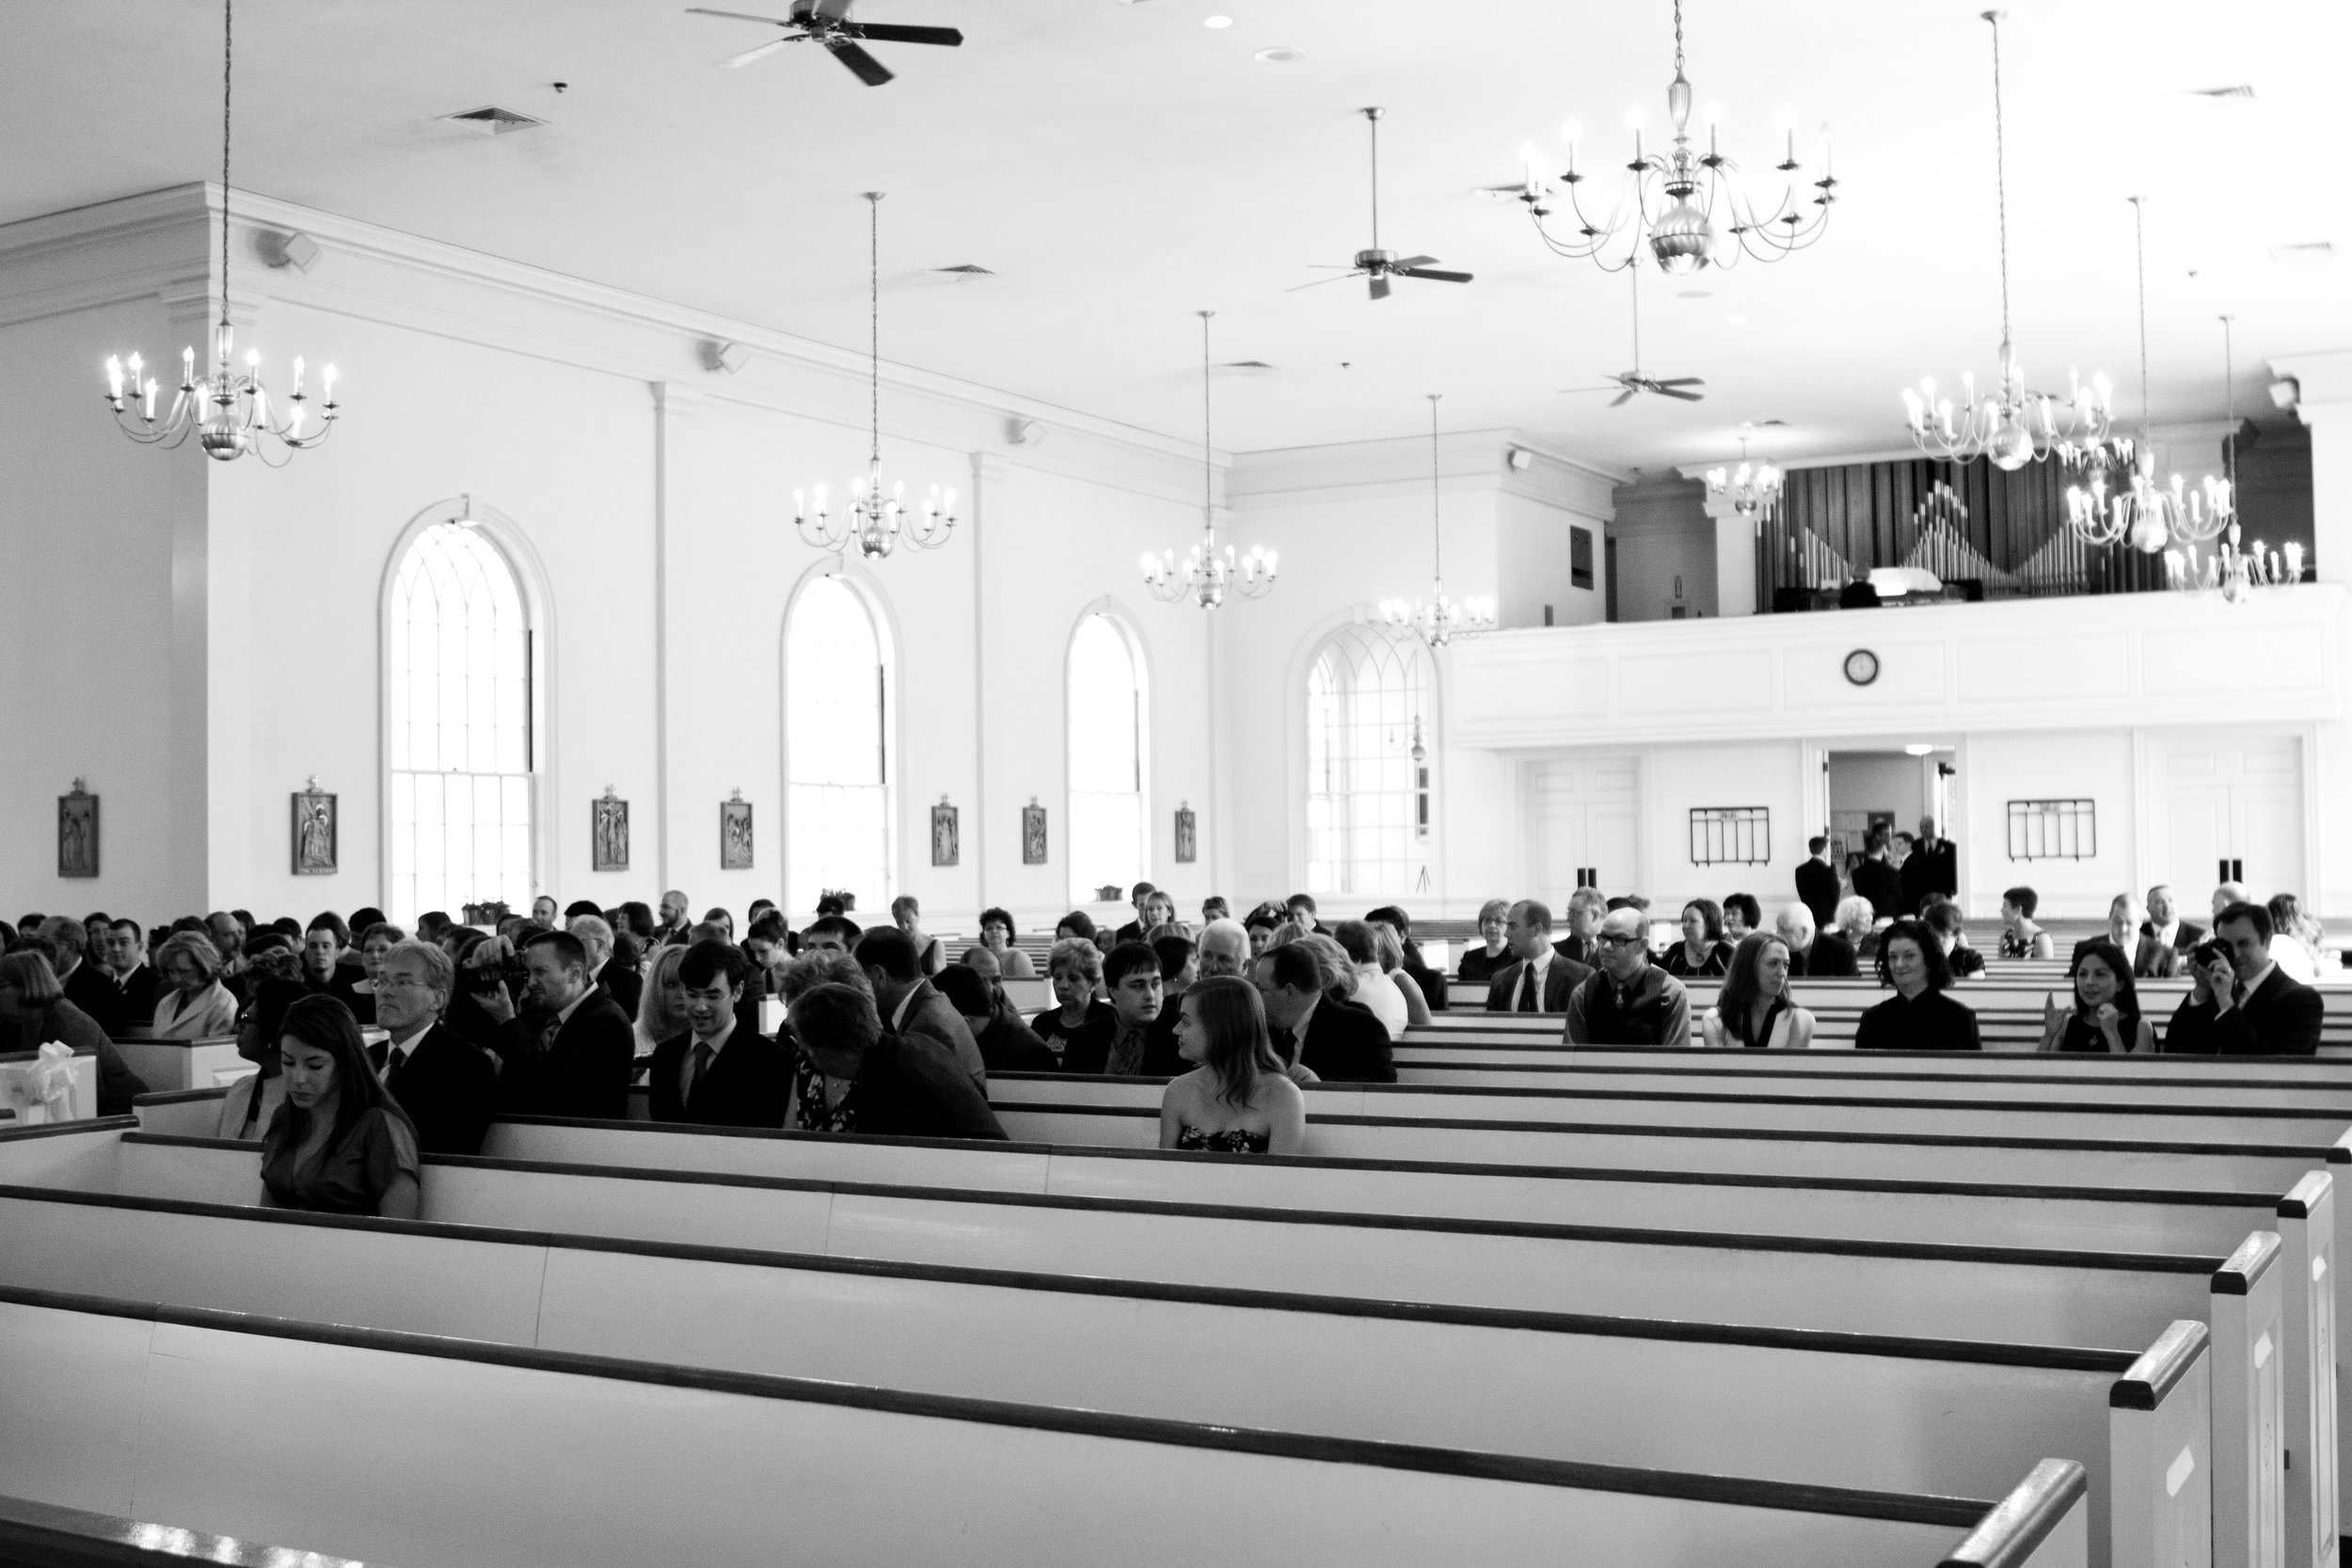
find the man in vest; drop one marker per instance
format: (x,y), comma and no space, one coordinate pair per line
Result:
(1627,1000)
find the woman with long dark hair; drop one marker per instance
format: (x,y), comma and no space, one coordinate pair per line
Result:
(341,1144)
(1238,1099)
(2106,1014)
(1754,1009)
(1921,1015)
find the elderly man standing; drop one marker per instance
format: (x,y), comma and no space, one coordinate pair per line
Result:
(1630,1001)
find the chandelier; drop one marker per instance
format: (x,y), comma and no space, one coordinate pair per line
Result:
(230,413)
(1672,199)
(1438,620)
(876,523)
(1752,487)
(2229,568)
(1206,574)
(2149,512)
(2011,426)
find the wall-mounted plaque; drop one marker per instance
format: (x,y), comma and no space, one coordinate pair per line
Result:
(314,828)
(1188,836)
(1032,833)
(608,833)
(947,834)
(77,833)
(735,833)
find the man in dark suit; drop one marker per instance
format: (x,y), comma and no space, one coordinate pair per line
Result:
(2165,940)
(2124,922)
(116,985)
(576,1061)
(1538,979)
(866,1081)
(620,981)
(910,1006)
(1587,906)
(1817,883)
(1876,878)
(1336,1040)
(2244,1005)
(718,1073)
(447,1085)
(1007,1044)
(1807,953)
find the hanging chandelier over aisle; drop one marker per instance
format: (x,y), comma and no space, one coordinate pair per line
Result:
(2231,568)
(876,523)
(1438,619)
(2146,510)
(1672,199)
(1752,487)
(1209,570)
(2011,426)
(229,412)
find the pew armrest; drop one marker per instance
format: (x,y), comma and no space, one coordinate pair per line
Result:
(2042,1522)
(35,1533)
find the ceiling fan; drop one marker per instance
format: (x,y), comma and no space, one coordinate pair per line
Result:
(827,22)
(1377,264)
(1627,383)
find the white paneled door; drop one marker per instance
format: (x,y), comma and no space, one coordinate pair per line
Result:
(2229,808)
(1583,825)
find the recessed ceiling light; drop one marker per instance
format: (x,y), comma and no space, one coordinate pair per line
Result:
(1280,55)
(1217,22)
(1736,321)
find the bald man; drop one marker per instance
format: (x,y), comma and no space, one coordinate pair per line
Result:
(1628,1000)
(2165,940)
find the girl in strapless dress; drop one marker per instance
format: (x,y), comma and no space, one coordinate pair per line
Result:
(1237,1101)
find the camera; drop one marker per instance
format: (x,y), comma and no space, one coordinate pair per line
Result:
(2209,952)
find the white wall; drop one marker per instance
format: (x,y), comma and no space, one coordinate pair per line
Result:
(1663,532)
(1878,781)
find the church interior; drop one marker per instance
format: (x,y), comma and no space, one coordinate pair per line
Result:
(728,811)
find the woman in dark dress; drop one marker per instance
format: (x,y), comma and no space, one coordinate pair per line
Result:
(1075,969)
(34,1011)
(1480,963)
(2106,1014)
(1921,1015)
(1238,1100)
(341,1144)
(1702,950)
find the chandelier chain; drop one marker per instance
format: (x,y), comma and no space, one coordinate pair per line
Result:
(873,317)
(2139,275)
(2229,398)
(227,76)
(1677,38)
(1208,484)
(1436,530)
(2001,167)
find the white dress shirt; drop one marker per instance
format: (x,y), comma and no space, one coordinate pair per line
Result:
(1535,973)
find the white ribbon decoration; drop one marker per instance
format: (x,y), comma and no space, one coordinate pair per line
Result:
(41,1090)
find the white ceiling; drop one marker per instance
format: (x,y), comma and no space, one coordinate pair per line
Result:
(1120,166)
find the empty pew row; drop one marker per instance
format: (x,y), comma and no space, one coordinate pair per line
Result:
(1502,1043)
(1724,1073)
(598,1460)
(1388,1254)
(2157,997)
(1821,1410)
(1834,1028)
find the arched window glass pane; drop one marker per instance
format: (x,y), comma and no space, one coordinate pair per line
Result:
(459,675)
(1367,709)
(1107,838)
(836,734)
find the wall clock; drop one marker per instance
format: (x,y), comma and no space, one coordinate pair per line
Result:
(1862,667)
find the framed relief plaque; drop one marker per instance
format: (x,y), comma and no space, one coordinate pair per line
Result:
(947,837)
(314,851)
(608,833)
(735,833)
(77,833)
(1033,833)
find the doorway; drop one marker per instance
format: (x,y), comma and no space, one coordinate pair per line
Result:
(1894,788)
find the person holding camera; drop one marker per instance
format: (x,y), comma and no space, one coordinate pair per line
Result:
(2243,1004)
(573,1057)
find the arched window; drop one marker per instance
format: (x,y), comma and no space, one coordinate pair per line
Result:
(1106,759)
(837,706)
(461,747)
(1368,740)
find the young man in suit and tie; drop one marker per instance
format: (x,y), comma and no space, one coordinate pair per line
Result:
(1817,883)
(2165,940)
(718,1073)
(447,1085)
(1538,980)
(2243,1004)
(576,1061)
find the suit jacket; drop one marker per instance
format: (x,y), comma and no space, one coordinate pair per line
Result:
(583,1073)
(622,982)
(1585,950)
(116,1008)
(1832,958)
(449,1087)
(1564,975)
(1883,885)
(749,1083)
(930,1016)
(1009,1045)
(2281,1018)
(1344,1044)
(913,1091)
(1088,1046)
(1817,890)
(2152,958)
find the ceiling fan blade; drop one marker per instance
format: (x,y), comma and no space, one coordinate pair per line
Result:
(890,32)
(740,16)
(869,70)
(759,53)
(1572,391)
(1622,398)
(1434,277)
(1678,392)
(1413,261)
(1680,381)
(1319,282)
(1380,286)
(837,10)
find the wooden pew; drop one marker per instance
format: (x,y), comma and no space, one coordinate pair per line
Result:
(1816,1409)
(2040,1523)
(44,1534)
(1922,1113)
(1724,1073)
(84,1097)
(168,1065)
(603,1462)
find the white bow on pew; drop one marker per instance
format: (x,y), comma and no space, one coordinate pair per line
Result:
(40,1090)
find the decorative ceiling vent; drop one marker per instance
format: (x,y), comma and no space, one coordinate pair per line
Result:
(495,120)
(2304,254)
(2239,94)
(969,269)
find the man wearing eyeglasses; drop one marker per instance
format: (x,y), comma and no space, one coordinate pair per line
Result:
(1628,1000)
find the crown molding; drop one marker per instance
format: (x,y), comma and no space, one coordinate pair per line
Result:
(1468,462)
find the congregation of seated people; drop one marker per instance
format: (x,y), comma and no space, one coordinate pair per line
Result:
(374,1045)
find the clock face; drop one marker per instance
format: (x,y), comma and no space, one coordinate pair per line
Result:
(1862,667)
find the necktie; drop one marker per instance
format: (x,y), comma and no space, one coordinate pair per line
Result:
(2237,993)
(702,1065)
(1527,990)
(393,1065)
(547,1035)
(376,1058)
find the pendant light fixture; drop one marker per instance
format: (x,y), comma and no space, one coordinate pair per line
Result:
(1438,619)
(875,524)
(1752,487)
(230,413)
(2146,510)
(2231,568)
(2011,426)
(1205,575)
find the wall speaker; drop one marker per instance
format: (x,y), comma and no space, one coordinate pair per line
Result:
(295,249)
(1027,433)
(730,358)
